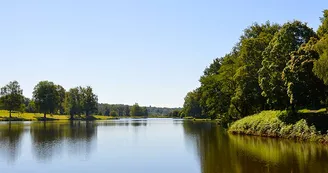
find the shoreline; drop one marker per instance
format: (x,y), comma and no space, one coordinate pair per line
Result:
(39,117)
(305,126)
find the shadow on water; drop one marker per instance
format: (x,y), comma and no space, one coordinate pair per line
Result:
(50,139)
(219,152)
(10,140)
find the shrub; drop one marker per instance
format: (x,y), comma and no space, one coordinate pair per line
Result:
(279,124)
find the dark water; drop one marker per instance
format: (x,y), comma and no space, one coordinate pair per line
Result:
(148,146)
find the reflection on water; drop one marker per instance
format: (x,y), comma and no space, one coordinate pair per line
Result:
(149,145)
(215,153)
(10,140)
(221,152)
(283,155)
(49,138)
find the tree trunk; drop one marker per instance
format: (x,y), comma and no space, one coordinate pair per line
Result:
(10,114)
(326,104)
(293,109)
(238,110)
(45,116)
(72,116)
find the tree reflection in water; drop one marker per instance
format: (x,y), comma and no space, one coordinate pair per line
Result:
(10,140)
(50,139)
(219,152)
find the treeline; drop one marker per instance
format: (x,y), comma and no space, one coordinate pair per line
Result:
(125,110)
(272,67)
(121,110)
(50,98)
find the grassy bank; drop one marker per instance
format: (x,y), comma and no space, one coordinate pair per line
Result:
(197,119)
(4,116)
(305,126)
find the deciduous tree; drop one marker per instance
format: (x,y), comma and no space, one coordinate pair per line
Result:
(12,97)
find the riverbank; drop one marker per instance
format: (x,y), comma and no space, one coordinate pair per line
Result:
(4,116)
(305,126)
(200,119)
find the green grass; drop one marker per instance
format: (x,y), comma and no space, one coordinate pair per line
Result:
(312,111)
(267,123)
(197,119)
(16,116)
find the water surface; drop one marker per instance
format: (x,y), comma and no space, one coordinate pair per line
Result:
(148,146)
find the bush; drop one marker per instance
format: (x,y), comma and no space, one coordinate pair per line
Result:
(288,116)
(279,124)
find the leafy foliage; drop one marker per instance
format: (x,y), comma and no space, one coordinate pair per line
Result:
(290,37)
(323,28)
(46,97)
(271,67)
(321,66)
(73,102)
(191,105)
(12,96)
(247,97)
(89,100)
(113,113)
(136,110)
(303,87)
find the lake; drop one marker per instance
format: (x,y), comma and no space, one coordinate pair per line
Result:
(148,146)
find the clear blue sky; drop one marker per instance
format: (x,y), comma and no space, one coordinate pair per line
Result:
(146,51)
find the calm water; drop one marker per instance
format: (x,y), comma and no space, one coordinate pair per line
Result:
(148,146)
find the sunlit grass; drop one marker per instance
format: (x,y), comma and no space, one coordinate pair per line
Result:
(268,124)
(4,116)
(312,111)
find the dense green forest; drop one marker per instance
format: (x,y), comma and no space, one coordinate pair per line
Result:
(271,67)
(50,98)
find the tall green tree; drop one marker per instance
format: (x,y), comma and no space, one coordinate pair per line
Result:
(289,38)
(31,107)
(89,100)
(73,102)
(214,67)
(247,97)
(12,97)
(321,65)
(217,88)
(191,106)
(304,89)
(323,28)
(46,97)
(61,96)
(227,82)
(213,101)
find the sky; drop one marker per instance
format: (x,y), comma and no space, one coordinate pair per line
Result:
(150,52)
